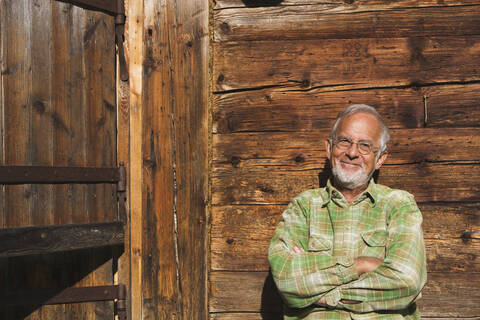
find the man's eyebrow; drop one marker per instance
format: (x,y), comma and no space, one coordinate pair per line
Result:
(348,138)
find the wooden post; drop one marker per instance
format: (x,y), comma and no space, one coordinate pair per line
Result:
(134,14)
(168,62)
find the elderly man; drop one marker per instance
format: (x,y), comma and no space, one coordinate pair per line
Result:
(353,249)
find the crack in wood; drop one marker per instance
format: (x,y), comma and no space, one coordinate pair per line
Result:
(412,85)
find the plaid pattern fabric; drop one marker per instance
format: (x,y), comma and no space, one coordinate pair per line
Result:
(382,223)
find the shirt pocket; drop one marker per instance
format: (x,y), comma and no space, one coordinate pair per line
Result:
(373,243)
(318,242)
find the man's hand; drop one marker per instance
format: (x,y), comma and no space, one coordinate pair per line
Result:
(367,264)
(297,250)
(323,302)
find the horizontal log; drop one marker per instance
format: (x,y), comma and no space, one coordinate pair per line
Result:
(104,5)
(246,316)
(63,296)
(279,316)
(240,236)
(340,64)
(48,239)
(306,150)
(279,109)
(256,292)
(341,5)
(278,185)
(46,174)
(234,254)
(334,21)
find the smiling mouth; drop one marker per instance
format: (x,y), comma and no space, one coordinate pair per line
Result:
(349,164)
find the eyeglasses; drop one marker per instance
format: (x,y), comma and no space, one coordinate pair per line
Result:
(363,147)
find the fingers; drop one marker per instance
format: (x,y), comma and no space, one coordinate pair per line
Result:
(297,250)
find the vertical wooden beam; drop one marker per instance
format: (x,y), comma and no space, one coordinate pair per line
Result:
(123,156)
(160,285)
(168,157)
(134,12)
(190,40)
(175,159)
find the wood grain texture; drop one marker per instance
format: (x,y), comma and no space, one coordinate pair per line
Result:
(256,292)
(134,33)
(191,85)
(45,69)
(280,109)
(175,158)
(282,71)
(160,296)
(336,21)
(44,240)
(240,236)
(306,150)
(341,5)
(122,275)
(341,64)
(427,181)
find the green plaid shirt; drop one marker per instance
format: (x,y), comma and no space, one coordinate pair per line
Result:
(382,223)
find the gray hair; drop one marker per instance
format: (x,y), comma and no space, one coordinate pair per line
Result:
(363,108)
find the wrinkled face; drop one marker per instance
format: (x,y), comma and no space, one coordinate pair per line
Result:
(350,168)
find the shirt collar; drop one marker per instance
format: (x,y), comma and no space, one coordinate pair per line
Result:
(371,193)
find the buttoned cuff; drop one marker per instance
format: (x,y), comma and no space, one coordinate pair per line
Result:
(347,270)
(333,298)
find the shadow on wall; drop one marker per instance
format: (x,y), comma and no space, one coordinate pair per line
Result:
(55,270)
(271,305)
(261,3)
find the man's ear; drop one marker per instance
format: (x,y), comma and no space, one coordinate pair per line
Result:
(381,160)
(328,148)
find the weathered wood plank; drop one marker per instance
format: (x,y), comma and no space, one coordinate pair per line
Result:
(160,295)
(135,37)
(345,63)
(77,101)
(284,110)
(60,115)
(279,316)
(175,159)
(107,5)
(42,133)
(3,34)
(255,292)
(41,128)
(70,128)
(44,240)
(123,274)
(246,316)
(341,5)
(241,254)
(15,79)
(306,151)
(190,59)
(427,181)
(334,21)
(99,54)
(240,236)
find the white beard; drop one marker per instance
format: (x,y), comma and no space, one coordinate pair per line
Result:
(350,180)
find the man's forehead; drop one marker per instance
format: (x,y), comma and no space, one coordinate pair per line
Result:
(362,125)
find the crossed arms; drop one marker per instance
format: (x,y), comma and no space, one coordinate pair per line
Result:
(359,284)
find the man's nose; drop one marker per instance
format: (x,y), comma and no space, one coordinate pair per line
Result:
(352,152)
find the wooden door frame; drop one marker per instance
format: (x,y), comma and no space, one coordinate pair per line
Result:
(163,134)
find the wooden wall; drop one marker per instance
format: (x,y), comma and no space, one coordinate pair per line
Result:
(168,157)
(57,109)
(282,70)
